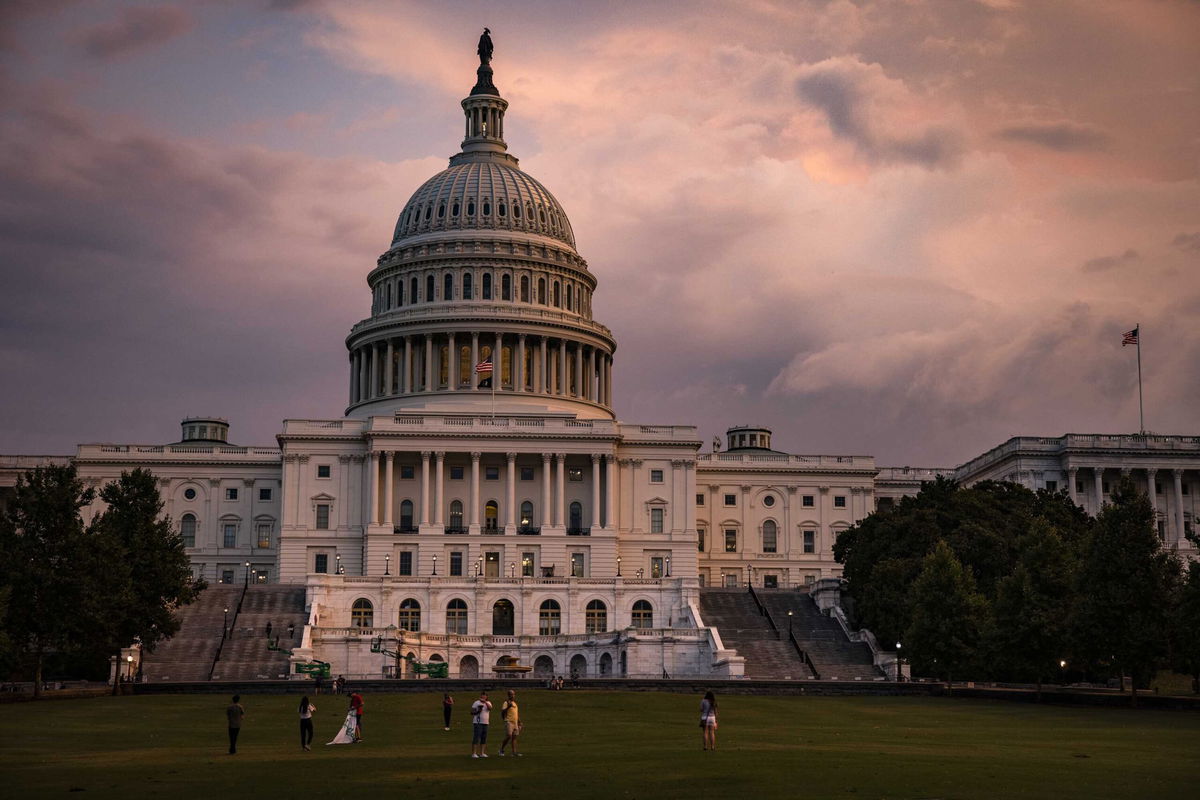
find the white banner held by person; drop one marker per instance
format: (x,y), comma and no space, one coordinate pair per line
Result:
(345,734)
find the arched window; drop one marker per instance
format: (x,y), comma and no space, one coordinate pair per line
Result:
(410,615)
(468,285)
(549,618)
(187,530)
(441,210)
(456,515)
(487,286)
(470,208)
(597,617)
(487,208)
(570,297)
(389,295)
(428,288)
(428,212)
(412,291)
(456,616)
(491,516)
(362,615)
(770,534)
(454,209)
(576,516)
(557,295)
(542,291)
(542,215)
(506,287)
(448,287)
(406,515)
(500,209)
(524,288)
(400,292)
(526,514)
(516,210)
(643,614)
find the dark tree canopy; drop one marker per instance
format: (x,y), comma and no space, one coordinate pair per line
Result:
(950,617)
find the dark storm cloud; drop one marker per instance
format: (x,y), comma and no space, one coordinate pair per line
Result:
(135,29)
(858,101)
(1062,136)
(1105,263)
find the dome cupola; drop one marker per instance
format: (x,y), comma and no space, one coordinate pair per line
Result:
(482,273)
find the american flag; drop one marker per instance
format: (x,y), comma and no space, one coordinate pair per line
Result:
(1129,337)
(484,366)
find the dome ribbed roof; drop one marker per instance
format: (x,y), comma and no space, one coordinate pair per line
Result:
(483,195)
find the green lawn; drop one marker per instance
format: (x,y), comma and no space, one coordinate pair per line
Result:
(601,745)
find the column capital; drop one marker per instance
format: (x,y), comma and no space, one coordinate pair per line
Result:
(358,458)
(595,458)
(428,336)
(521,337)
(343,459)
(1151,471)
(678,462)
(511,456)
(476,455)
(1072,470)
(441,455)
(561,456)
(1176,472)
(425,454)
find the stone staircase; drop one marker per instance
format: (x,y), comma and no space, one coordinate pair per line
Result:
(189,654)
(244,656)
(821,637)
(735,615)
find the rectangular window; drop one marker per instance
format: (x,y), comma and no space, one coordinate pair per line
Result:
(810,541)
(656,520)
(230,532)
(656,476)
(264,494)
(577,565)
(261,576)
(264,534)
(527,560)
(322,517)
(526,473)
(770,581)
(809,580)
(407,471)
(700,539)
(770,539)
(730,540)
(839,501)
(491,473)
(231,494)
(1051,486)
(699,499)
(731,499)
(574,474)
(321,563)
(323,470)
(406,563)
(456,564)
(808,501)
(656,567)
(456,473)
(226,576)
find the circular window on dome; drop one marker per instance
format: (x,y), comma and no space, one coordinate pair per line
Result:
(769,501)
(190,494)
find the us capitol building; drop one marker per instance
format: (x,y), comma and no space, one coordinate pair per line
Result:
(468,514)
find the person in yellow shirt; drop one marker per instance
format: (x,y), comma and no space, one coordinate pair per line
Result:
(512,722)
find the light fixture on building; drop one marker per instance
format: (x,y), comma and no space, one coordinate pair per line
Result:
(435,565)
(618,566)
(387,564)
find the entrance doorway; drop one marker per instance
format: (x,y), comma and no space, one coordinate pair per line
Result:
(502,618)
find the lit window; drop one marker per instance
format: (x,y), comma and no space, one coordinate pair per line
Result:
(264,534)
(577,565)
(574,474)
(730,540)
(656,567)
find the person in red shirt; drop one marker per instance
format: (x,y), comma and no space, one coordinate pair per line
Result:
(356,703)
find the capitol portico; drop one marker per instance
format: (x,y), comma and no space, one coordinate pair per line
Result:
(477,497)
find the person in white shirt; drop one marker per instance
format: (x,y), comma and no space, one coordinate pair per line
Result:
(481,711)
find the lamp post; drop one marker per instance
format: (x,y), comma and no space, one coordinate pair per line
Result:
(1062,671)
(640,572)
(789,623)
(668,566)
(618,566)
(898,676)
(247,573)
(435,566)
(225,627)
(479,567)
(512,569)
(387,563)
(254,572)
(129,668)
(337,570)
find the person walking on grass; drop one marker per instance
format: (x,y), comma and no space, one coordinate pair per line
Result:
(708,721)
(447,707)
(512,722)
(356,704)
(306,723)
(235,714)
(481,713)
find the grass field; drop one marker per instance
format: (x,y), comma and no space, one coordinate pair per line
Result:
(581,744)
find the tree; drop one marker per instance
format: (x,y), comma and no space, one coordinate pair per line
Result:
(42,545)
(155,576)
(1125,586)
(1033,605)
(949,616)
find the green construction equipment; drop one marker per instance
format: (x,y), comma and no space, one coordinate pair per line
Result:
(317,669)
(434,669)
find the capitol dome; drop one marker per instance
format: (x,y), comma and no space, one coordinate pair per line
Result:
(481,195)
(481,301)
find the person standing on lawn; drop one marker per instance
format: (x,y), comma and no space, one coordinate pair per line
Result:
(708,721)
(447,707)
(306,723)
(356,703)
(512,722)
(481,712)
(235,714)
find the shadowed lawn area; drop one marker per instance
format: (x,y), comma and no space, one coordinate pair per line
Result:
(601,745)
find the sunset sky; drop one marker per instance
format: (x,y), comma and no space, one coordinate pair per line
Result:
(906,228)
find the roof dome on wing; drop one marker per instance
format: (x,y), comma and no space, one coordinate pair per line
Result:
(483,194)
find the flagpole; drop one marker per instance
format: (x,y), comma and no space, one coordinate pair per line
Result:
(1141,411)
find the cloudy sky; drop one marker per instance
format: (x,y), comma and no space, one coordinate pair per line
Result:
(907,228)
